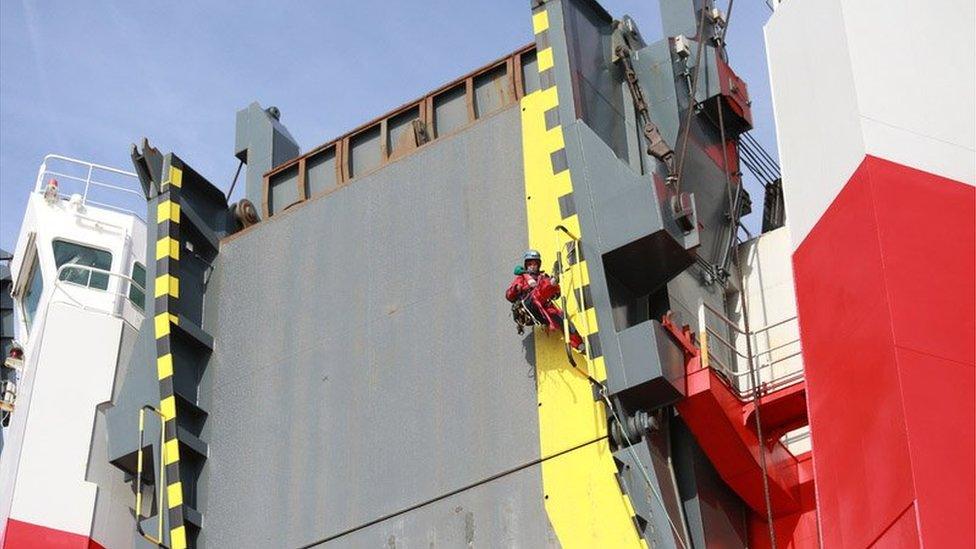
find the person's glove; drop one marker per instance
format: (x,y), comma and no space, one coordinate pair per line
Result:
(532,283)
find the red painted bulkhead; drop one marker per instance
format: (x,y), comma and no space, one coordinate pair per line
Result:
(885,292)
(24,535)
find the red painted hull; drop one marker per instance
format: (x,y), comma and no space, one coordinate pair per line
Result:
(24,535)
(885,292)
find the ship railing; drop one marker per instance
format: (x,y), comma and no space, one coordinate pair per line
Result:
(8,396)
(116,299)
(95,184)
(159,477)
(742,371)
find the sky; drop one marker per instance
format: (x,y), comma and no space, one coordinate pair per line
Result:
(88,79)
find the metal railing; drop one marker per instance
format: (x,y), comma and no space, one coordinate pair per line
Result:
(89,177)
(741,377)
(160,479)
(580,306)
(119,292)
(8,393)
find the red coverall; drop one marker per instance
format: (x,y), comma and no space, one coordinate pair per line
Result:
(541,305)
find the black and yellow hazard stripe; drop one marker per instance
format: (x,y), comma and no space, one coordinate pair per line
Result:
(167,293)
(586,504)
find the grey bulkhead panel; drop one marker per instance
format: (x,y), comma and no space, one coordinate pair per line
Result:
(113,524)
(366,360)
(501,513)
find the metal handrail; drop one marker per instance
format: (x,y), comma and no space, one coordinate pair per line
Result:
(90,182)
(732,324)
(160,479)
(733,348)
(96,270)
(732,376)
(580,309)
(59,284)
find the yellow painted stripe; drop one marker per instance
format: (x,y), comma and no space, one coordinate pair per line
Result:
(175,177)
(174,319)
(167,210)
(547,98)
(540,21)
(177,538)
(167,284)
(164,366)
(162,324)
(544,58)
(172,453)
(167,247)
(703,343)
(174,494)
(167,407)
(552,141)
(584,501)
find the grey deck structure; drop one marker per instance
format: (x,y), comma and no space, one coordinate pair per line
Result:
(354,377)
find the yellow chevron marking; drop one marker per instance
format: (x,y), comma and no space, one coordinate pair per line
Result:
(584,504)
(177,538)
(167,407)
(164,366)
(174,494)
(167,210)
(167,247)
(161,322)
(172,454)
(540,21)
(175,177)
(167,284)
(545,60)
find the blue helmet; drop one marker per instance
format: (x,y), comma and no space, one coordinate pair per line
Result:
(531,254)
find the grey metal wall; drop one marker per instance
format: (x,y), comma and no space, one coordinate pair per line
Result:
(366,362)
(113,524)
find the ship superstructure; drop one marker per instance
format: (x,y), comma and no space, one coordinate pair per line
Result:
(330,361)
(356,294)
(876,134)
(78,295)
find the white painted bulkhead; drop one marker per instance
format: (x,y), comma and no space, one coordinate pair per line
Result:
(850,78)
(71,350)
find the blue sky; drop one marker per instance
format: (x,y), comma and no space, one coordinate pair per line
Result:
(87,79)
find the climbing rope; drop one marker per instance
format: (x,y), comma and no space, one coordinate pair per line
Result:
(600,387)
(692,103)
(640,464)
(753,374)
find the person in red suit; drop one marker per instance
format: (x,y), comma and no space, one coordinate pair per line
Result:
(537,290)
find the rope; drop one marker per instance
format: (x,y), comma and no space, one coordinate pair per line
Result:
(754,376)
(756,398)
(640,464)
(733,240)
(691,103)
(234,182)
(602,389)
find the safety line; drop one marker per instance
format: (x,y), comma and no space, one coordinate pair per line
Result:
(602,390)
(475,484)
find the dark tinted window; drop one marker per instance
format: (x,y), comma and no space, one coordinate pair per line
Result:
(80,257)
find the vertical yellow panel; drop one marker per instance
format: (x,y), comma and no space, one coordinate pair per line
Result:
(582,496)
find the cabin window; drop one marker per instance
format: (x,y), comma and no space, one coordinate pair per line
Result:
(32,293)
(82,262)
(137,296)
